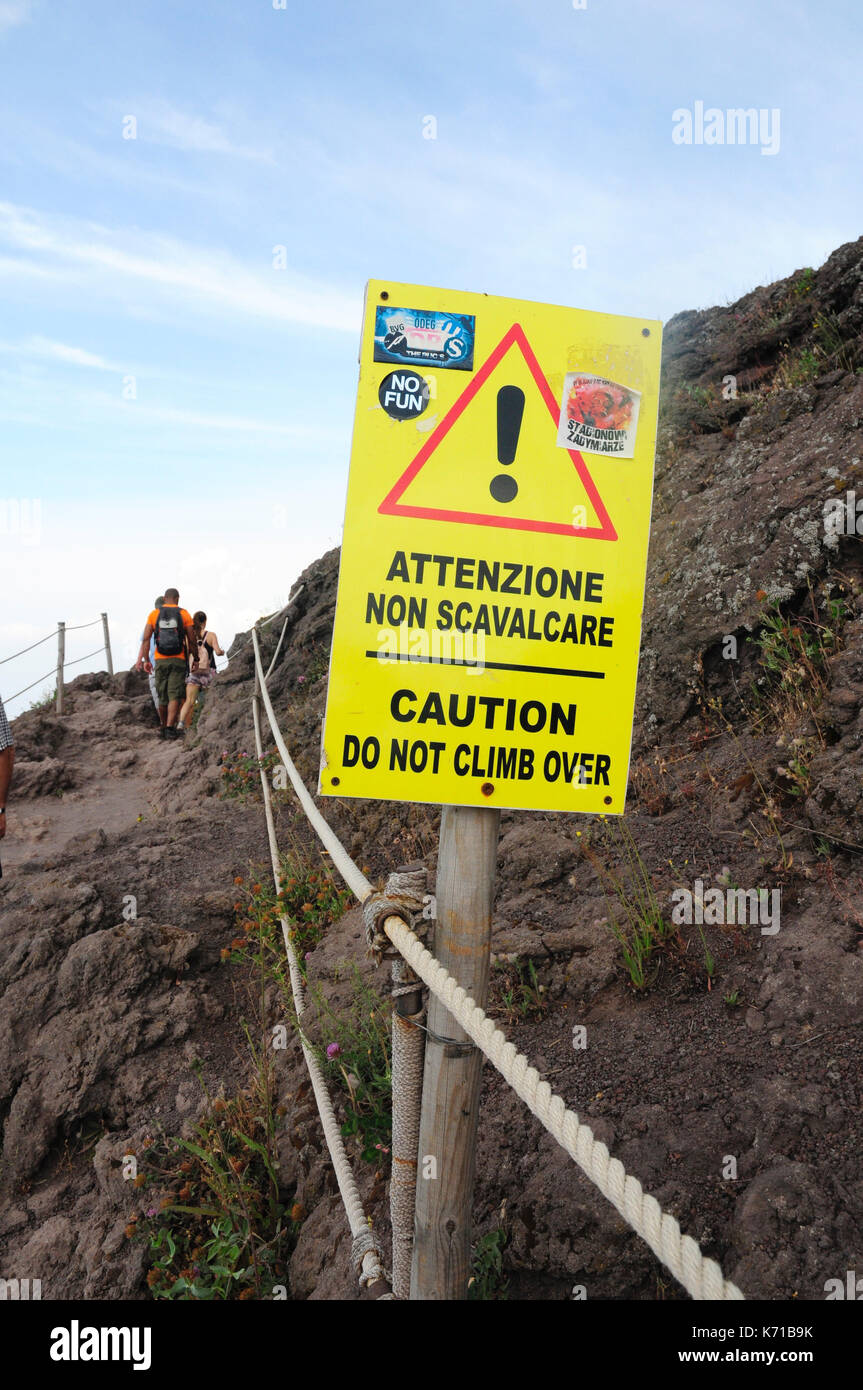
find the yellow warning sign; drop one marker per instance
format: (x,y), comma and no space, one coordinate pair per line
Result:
(488,619)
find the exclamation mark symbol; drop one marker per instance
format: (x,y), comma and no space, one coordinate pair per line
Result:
(510,408)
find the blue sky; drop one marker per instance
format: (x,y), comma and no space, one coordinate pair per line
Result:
(146,265)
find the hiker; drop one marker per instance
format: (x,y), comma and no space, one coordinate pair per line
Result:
(175,641)
(208,649)
(148,665)
(7,759)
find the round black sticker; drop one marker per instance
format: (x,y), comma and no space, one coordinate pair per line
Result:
(404,394)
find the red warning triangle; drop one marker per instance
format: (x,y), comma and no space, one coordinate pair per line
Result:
(514,338)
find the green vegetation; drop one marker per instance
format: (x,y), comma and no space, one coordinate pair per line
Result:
(317,665)
(354,1044)
(516,991)
(805,282)
(797,770)
(44,702)
(212,1217)
(308,898)
(196,712)
(831,343)
(796,367)
(355,1053)
(637,920)
(486,1283)
(241,774)
(794,652)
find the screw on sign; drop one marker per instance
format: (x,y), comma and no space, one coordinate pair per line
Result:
(488,622)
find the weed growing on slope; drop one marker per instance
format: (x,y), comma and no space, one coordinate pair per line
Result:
(486,1283)
(515,990)
(43,702)
(211,1215)
(636,917)
(794,652)
(241,779)
(355,1052)
(308,898)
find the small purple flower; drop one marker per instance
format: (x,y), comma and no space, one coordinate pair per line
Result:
(151,1211)
(333,1050)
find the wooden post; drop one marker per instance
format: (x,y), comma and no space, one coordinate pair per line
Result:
(61,661)
(107,644)
(451,1079)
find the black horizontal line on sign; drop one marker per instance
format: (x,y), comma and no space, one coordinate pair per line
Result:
(385,657)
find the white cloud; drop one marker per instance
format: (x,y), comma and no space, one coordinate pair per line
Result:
(59,352)
(124,260)
(166,125)
(65,410)
(13,13)
(232,423)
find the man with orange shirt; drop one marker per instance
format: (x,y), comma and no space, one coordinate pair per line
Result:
(175,640)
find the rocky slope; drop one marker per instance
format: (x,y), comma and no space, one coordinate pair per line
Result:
(739,770)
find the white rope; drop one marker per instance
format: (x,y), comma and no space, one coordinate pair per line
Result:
(356,881)
(366,1251)
(701,1277)
(80,626)
(284,630)
(79,659)
(265,622)
(52,672)
(30,648)
(33,645)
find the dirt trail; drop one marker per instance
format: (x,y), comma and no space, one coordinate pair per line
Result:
(111,799)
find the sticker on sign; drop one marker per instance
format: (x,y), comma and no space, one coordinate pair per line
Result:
(598,416)
(488,620)
(424,335)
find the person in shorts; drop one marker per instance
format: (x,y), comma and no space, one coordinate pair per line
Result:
(208,650)
(149,665)
(176,644)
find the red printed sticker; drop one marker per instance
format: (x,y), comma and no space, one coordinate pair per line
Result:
(598,416)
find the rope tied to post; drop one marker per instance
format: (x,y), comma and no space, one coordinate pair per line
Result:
(402,897)
(367,1271)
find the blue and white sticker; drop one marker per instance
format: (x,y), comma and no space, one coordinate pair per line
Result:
(424,336)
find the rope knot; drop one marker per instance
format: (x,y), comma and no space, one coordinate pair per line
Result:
(402,897)
(365,1243)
